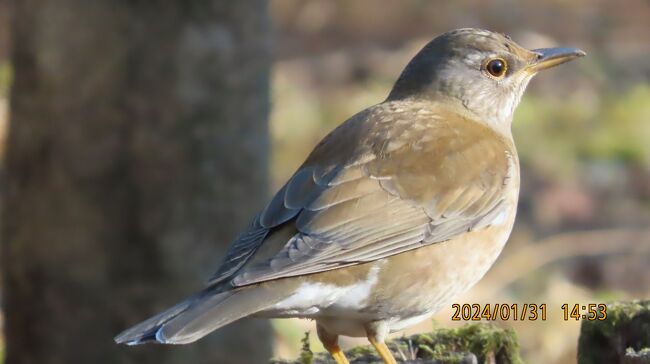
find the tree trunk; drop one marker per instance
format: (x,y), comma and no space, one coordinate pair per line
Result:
(137,150)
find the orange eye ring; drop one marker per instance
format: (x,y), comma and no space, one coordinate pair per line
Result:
(497,67)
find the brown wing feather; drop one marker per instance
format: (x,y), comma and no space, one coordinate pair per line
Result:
(387,181)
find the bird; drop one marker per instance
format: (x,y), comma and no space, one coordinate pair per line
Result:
(397,211)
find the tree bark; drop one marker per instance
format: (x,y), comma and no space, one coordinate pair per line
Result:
(137,150)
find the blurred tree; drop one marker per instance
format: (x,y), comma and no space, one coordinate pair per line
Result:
(5,11)
(137,149)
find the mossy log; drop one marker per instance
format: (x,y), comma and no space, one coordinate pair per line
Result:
(623,337)
(472,343)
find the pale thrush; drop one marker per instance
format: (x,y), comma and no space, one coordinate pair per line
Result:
(397,211)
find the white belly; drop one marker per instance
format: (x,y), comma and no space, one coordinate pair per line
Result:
(314,299)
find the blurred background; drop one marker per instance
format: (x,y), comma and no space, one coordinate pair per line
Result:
(141,135)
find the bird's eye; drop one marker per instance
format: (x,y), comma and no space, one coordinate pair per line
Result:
(496,67)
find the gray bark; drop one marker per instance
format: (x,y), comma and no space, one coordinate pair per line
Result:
(137,150)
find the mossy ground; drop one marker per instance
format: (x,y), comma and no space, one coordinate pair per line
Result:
(624,333)
(488,343)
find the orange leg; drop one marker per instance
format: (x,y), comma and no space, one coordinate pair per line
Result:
(330,342)
(383,350)
(376,333)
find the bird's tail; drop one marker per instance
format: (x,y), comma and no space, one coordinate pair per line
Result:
(199,315)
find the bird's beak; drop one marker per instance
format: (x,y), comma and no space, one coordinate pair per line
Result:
(551,57)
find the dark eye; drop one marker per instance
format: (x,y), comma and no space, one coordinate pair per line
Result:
(497,67)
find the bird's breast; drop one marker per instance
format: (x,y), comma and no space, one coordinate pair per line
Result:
(422,281)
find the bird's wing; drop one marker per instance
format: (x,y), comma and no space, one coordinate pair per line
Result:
(381,184)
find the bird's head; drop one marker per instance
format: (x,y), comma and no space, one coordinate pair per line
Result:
(484,72)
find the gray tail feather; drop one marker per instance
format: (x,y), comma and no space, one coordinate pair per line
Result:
(199,315)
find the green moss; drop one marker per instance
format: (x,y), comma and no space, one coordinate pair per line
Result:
(360,352)
(627,326)
(630,352)
(306,355)
(488,343)
(482,340)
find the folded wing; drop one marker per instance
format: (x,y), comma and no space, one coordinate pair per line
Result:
(385,182)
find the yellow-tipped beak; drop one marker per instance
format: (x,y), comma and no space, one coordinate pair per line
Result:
(551,57)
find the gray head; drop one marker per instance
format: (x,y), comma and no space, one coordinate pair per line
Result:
(483,71)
